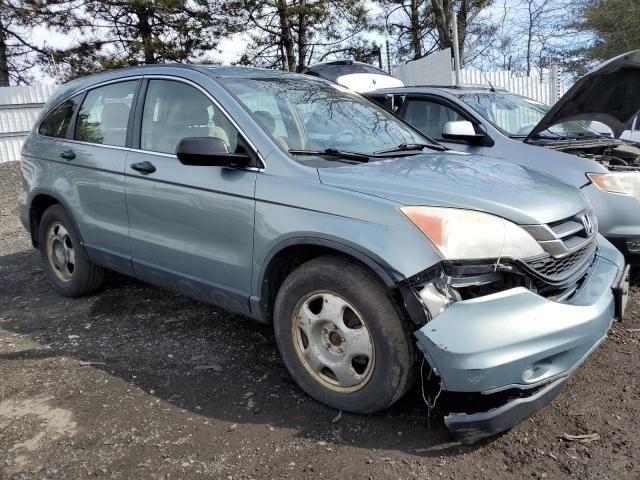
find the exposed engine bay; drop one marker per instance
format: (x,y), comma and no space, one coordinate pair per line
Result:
(616,155)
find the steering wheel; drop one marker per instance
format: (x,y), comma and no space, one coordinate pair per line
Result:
(525,129)
(338,135)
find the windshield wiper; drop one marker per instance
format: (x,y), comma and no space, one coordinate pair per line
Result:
(407,147)
(334,152)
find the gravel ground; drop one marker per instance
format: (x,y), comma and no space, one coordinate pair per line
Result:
(139,383)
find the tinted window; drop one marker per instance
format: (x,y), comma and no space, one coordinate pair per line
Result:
(104,114)
(174,110)
(57,122)
(429,117)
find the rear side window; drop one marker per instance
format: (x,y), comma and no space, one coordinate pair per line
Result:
(104,115)
(57,121)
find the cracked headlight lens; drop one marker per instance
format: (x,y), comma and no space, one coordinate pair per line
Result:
(469,235)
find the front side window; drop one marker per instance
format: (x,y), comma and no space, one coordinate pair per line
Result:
(174,110)
(104,115)
(316,115)
(57,122)
(429,117)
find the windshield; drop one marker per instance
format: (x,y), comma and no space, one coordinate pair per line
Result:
(305,114)
(517,116)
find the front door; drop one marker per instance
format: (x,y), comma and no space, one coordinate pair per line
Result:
(429,116)
(191,227)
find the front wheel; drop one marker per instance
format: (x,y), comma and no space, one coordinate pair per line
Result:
(342,337)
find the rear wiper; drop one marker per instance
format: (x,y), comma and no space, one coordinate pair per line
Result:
(334,152)
(406,147)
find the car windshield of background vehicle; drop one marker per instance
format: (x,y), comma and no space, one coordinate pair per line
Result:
(309,115)
(517,116)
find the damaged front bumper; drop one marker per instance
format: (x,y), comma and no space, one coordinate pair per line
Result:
(518,341)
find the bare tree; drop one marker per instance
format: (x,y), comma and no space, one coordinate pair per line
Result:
(468,11)
(410,23)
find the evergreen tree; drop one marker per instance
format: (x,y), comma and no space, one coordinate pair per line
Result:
(17,51)
(290,34)
(118,33)
(615,25)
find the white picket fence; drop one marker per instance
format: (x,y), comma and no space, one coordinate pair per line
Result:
(437,69)
(19,109)
(532,87)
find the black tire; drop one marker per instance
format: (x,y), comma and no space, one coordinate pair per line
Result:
(86,277)
(394,369)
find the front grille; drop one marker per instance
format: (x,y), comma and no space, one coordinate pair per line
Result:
(558,269)
(565,237)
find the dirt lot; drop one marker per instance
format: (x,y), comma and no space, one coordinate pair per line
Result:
(137,383)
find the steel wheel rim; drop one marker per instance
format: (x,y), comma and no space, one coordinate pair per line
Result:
(60,252)
(333,341)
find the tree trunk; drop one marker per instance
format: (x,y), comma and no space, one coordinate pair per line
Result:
(415,30)
(4,64)
(302,36)
(286,38)
(463,14)
(529,35)
(146,34)
(442,16)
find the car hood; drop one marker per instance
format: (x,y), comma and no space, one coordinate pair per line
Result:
(609,94)
(472,182)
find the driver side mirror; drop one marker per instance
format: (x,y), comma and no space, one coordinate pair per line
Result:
(209,152)
(465,131)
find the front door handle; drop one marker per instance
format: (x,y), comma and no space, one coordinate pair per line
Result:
(68,154)
(145,168)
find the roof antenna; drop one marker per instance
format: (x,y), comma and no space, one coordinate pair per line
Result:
(492,89)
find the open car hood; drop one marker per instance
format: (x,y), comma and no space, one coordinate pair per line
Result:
(609,94)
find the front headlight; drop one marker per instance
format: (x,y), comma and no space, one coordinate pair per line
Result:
(625,183)
(470,235)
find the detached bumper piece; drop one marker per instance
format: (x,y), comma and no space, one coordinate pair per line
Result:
(621,292)
(469,428)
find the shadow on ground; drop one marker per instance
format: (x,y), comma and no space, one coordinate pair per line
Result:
(194,357)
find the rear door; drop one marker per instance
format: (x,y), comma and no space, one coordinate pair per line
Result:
(191,227)
(91,174)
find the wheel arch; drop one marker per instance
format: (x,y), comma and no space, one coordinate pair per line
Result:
(291,253)
(40,201)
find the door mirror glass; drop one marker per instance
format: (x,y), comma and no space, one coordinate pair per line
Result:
(209,151)
(461,130)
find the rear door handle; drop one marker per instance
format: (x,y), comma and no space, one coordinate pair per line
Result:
(145,168)
(68,154)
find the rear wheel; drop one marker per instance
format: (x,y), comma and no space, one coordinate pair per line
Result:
(342,337)
(65,262)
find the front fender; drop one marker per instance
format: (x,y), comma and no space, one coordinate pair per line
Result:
(293,210)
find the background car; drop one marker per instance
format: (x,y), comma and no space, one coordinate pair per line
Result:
(497,123)
(357,76)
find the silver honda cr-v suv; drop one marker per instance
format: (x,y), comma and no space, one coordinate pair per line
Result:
(371,250)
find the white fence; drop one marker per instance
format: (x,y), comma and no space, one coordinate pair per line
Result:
(437,69)
(19,108)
